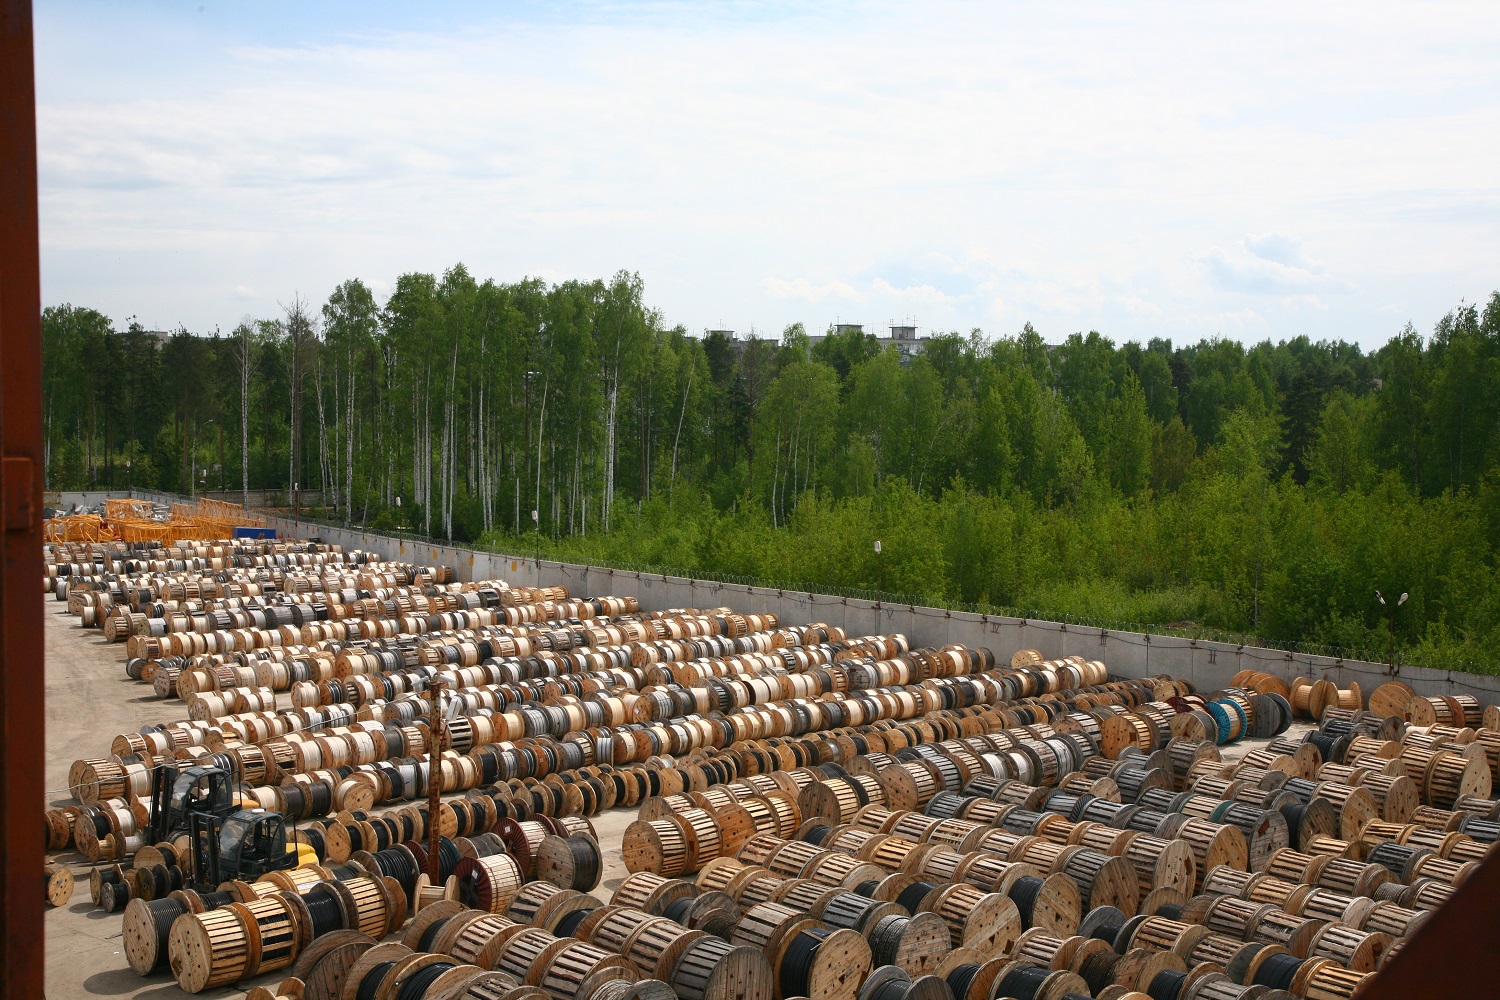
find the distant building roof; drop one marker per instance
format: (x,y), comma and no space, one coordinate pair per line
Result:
(903,336)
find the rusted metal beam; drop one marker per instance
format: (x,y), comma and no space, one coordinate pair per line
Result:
(1456,953)
(21,677)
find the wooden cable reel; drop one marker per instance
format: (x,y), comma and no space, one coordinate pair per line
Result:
(1392,700)
(713,969)
(422,931)
(1160,863)
(1261,682)
(1047,950)
(570,862)
(290,988)
(580,968)
(372,905)
(369,971)
(275,930)
(915,943)
(1160,934)
(58,883)
(1431,711)
(145,931)
(658,846)
(1214,844)
(769,927)
(1450,776)
(656,944)
(548,914)
(613,926)
(1396,796)
(1022,979)
(489,883)
(835,801)
(1103,880)
(525,955)
(623,989)
(476,938)
(853,911)
(702,835)
(1310,697)
(1352,948)
(1353,810)
(209,949)
(823,964)
(986,921)
(664,806)
(1051,903)
(653,893)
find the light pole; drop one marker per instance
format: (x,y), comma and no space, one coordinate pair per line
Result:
(1390,611)
(879,573)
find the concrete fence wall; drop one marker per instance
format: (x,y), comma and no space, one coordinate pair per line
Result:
(1209,665)
(258,498)
(87,498)
(266,498)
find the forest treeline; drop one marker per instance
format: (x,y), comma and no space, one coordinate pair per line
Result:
(1267,490)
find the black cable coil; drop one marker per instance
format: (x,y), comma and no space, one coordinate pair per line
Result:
(416,985)
(370,984)
(327,913)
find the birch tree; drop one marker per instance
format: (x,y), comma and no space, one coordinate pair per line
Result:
(301,339)
(243,346)
(350,322)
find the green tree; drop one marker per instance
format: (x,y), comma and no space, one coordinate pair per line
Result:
(351,321)
(795,438)
(1341,456)
(1127,454)
(1173,451)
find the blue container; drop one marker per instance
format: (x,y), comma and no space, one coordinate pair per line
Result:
(254,533)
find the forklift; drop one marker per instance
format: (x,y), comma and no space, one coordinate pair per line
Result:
(228,843)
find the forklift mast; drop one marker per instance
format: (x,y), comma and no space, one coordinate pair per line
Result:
(177,795)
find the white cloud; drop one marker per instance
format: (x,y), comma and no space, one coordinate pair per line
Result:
(1240,323)
(910,294)
(1278,248)
(975,164)
(1273,264)
(803,290)
(1138,306)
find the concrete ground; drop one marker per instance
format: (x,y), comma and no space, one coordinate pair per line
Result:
(89,702)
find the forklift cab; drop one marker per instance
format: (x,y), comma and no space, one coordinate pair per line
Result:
(179,795)
(243,845)
(251,843)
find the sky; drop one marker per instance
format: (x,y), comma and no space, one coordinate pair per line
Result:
(1176,170)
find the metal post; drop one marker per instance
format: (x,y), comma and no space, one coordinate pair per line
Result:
(22,735)
(436,733)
